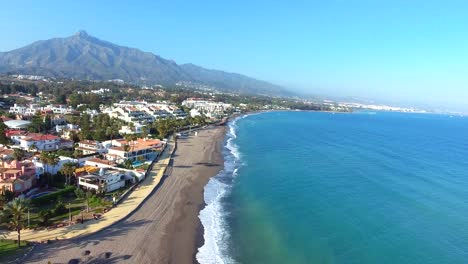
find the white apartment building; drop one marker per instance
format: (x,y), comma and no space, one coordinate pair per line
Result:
(156,111)
(59,109)
(33,109)
(91,147)
(143,112)
(129,114)
(29,110)
(211,108)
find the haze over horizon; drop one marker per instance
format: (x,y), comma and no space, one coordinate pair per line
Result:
(400,52)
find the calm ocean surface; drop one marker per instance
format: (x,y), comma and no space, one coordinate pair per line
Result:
(306,187)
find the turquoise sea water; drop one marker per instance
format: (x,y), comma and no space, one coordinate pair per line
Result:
(306,187)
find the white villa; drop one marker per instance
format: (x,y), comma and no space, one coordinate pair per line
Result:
(91,147)
(38,141)
(107,180)
(144,148)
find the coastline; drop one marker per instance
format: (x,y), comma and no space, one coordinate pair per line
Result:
(185,233)
(166,227)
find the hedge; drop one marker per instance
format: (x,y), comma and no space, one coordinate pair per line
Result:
(52,196)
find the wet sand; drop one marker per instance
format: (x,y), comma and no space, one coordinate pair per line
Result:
(166,228)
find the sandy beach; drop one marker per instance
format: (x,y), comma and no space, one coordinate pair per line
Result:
(166,228)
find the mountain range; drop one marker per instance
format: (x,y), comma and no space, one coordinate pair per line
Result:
(85,57)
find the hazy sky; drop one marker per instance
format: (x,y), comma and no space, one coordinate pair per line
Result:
(410,51)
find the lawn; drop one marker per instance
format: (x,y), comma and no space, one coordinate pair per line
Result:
(76,205)
(10,247)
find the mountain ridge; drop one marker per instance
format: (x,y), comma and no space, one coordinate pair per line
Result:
(83,56)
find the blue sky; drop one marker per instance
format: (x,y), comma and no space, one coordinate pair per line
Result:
(399,51)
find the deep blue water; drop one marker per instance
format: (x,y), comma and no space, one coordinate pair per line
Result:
(309,187)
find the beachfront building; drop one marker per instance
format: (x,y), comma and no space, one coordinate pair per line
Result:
(156,111)
(104,181)
(89,147)
(145,149)
(129,114)
(17,176)
(210,108)
(99,163)
(143,112)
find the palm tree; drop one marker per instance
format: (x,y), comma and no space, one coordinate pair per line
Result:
(78,153)
(131,125)
(54,159)
(18,154)
(162,126)
(112,131)
(88,197)
(45,215)
(68,169)
(44,158)
(130,138)
(49,158)
(144,131)
(14,214)
(133,137)
(128,164)
(126,147)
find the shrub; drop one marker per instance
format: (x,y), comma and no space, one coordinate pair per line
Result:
(45,215)
(60,208)
(52,197)
(80,194)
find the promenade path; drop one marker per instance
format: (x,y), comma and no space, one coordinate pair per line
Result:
(122,210)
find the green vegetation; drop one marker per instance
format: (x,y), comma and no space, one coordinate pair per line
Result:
(68,169)
(14,215)
(40,124)
(101,127)
(52,197)
(9,247)
(164,127)
(18,154)
(5,197)
(49,158)
(3,138)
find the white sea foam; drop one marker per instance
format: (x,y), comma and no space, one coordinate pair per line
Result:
(213,216)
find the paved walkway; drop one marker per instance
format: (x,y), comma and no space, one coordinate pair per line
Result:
(126,207)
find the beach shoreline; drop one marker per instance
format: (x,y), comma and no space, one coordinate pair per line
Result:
(186,232)
(166,228)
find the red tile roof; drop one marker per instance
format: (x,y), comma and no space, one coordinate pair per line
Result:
(39,137)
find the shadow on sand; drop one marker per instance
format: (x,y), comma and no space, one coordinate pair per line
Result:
(41,252)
